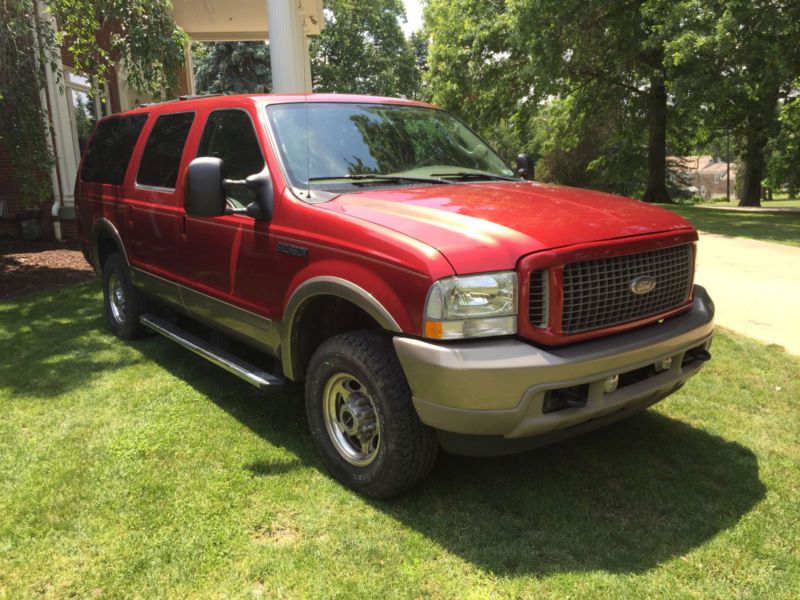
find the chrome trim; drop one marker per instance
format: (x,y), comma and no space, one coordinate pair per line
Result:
(328,286)
(242,369)
(154,188)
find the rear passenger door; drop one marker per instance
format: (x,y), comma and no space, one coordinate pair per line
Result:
(154,206)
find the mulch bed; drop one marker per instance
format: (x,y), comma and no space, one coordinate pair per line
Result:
(32,267)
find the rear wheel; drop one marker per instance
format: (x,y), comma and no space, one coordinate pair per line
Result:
(361,416)
(124,304)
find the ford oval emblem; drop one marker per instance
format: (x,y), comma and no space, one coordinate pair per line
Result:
(643,285)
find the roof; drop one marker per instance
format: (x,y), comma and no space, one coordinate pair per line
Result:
(701,163)
(719,166)
(222,100)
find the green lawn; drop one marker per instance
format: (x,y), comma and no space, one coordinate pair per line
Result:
(136,469)
(782,228)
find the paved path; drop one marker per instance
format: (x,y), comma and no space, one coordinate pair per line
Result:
(755,209)
(755,287)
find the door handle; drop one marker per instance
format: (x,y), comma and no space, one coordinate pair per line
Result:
(130,216)
(183,228)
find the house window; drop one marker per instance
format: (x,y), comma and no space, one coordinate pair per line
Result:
(87,104)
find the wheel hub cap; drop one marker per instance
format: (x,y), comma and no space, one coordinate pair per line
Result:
(116,296)
(351,419)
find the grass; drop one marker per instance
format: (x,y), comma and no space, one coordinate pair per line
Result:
(135,469)
(781,228)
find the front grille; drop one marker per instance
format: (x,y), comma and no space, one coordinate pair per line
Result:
(597,293)
(538,299)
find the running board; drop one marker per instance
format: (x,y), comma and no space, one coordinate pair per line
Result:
(250,373)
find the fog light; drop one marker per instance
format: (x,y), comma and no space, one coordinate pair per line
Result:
(611,384)
(663,365)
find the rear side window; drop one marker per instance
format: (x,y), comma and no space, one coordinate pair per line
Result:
(162,154)
(111,149)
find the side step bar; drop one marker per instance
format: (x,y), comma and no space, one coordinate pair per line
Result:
(250,373)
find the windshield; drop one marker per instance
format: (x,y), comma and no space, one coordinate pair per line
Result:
(340,145)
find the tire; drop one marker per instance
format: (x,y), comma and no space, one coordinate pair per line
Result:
(355,385)
(124,304)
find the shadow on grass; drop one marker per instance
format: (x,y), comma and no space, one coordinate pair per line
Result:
(781,228)
(53,343)
(623,499)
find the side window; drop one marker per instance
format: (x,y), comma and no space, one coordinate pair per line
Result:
(162,153)
(229,135)
(111,149)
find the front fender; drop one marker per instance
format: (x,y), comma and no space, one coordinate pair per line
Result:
(362,287)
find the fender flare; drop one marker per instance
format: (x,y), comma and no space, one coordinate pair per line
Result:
(100,227)
(328,286)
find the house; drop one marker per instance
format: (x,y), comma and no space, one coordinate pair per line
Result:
(73,103)
(704,176)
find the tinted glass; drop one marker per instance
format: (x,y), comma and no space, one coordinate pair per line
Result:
(162,154)
(229,135)
(330,140)
(111,149)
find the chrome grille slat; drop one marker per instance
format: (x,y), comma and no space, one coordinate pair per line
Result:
(538,298)
(597,292)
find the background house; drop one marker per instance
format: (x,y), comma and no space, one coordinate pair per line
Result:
(73,103)
(704,176)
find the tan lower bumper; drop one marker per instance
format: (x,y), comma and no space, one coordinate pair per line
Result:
(498,387)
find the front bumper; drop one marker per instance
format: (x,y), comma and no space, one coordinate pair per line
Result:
(496,389)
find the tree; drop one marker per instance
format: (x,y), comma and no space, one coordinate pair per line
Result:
(419,46)
(142,33)
(24,53)
(493,57)
(362,50)
(97,33)
(607,46)
(752,62)
(232,67)
(783,162)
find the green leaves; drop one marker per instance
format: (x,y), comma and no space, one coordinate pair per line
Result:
(362,50)
(232,67)
(25,50)
(140,33)
(579,82)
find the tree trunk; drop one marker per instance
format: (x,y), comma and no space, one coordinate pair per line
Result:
(753,168)
(760,125)
(656,190)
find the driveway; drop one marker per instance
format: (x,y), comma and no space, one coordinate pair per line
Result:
(755,286)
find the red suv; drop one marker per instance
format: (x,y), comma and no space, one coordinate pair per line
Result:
(379,250)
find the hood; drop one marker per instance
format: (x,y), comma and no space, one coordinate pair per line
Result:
(489,226)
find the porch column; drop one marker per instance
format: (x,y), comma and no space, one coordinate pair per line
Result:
(288,46)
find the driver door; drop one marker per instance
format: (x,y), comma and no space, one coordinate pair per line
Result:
(209,247)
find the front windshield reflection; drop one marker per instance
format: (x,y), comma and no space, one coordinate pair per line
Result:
(334,145)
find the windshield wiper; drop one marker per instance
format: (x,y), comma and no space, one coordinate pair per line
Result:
(475,175)
(381,177)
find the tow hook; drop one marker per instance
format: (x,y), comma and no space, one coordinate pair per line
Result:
(700,354)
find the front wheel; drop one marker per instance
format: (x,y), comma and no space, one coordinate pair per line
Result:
(361,417)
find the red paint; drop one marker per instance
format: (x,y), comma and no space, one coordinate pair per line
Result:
(394,243)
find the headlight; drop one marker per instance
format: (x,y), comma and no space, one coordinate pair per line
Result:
(472,306)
